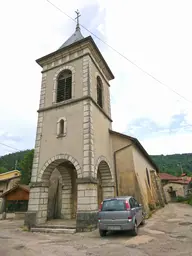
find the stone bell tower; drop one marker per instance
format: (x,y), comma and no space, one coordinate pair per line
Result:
(74,119)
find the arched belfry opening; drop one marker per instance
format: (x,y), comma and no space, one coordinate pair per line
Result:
(99,92)
(64,86)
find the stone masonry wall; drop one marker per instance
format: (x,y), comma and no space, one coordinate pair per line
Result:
(88,134)
(39,131)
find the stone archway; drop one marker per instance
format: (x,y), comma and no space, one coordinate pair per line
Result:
(70,170)
(105,186)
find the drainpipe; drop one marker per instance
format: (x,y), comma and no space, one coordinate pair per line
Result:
(115,166)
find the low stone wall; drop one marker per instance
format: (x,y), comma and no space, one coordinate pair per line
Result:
(4,216)
(20,215)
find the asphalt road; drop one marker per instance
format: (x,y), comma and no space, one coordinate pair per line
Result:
(168,232)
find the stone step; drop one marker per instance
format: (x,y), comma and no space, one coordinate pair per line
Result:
(53,226)
(54,230)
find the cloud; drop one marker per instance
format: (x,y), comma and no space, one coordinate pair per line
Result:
(148,33)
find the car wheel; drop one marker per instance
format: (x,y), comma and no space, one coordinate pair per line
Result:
(135,230)
(102,233)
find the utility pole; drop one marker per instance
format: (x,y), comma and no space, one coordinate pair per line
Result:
(181,167)
(16,164)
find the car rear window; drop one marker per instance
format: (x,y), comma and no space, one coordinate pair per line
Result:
(113,205)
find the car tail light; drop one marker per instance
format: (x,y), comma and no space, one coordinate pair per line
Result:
(129,218)
(127,206)
(100,207)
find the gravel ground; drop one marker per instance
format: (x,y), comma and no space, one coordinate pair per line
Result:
(168,232)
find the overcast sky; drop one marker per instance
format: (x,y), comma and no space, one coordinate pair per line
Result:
(156,35)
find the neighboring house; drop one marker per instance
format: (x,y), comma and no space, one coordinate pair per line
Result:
(7,181)
(16,199)
(74,136)
(175,186)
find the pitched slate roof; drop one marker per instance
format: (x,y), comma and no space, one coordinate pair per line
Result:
(77,36)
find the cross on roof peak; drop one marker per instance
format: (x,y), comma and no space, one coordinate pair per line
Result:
(77,18)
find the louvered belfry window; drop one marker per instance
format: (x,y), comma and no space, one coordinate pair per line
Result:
(64,86)
(99,92)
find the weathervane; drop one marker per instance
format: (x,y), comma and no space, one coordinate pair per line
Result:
(77,18)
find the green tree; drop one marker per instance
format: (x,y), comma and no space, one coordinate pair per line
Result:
(25,166)
(3,170)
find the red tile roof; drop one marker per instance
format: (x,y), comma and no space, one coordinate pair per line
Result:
(174,179)
(181,181)
(166,176)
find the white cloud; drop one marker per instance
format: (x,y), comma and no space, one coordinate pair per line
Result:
(155,35)
(168,144)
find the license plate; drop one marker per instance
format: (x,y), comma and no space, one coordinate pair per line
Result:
(114,228)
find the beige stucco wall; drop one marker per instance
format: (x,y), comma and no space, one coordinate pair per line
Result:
(127,181)
(179,188)
(131,169)
(102,140)
(106,88)
(119,142)
(72,143)
(141,163)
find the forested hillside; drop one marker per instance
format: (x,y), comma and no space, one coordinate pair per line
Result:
(9,162)
(170,163)
(21,161)
(173,164)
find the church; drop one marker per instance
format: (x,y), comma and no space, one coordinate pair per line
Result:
(75,141)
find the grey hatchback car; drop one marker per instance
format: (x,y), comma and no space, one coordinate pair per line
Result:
(120,213)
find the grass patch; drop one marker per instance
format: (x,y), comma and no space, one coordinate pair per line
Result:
(24,228)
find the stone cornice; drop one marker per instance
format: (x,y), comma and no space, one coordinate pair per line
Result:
(76,58)
(39,184)
(87,180)
(86,43)
(74,101)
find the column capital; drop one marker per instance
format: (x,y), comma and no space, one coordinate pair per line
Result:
(39,184)
(109,184)
(86,180)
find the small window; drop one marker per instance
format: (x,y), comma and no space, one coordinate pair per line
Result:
(148,179)
(64,86)
(61,127)
(99,92)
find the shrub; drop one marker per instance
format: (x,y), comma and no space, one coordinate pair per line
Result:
(151,207)
(190,200)
(180,199)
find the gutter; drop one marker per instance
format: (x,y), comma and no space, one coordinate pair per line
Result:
(115,166)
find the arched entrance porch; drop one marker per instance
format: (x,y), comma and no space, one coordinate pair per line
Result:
(105,186)
(68,170)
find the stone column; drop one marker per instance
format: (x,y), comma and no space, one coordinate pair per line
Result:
(2,205)
(37,206)
(66,208)
(39,129)
(87,207)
